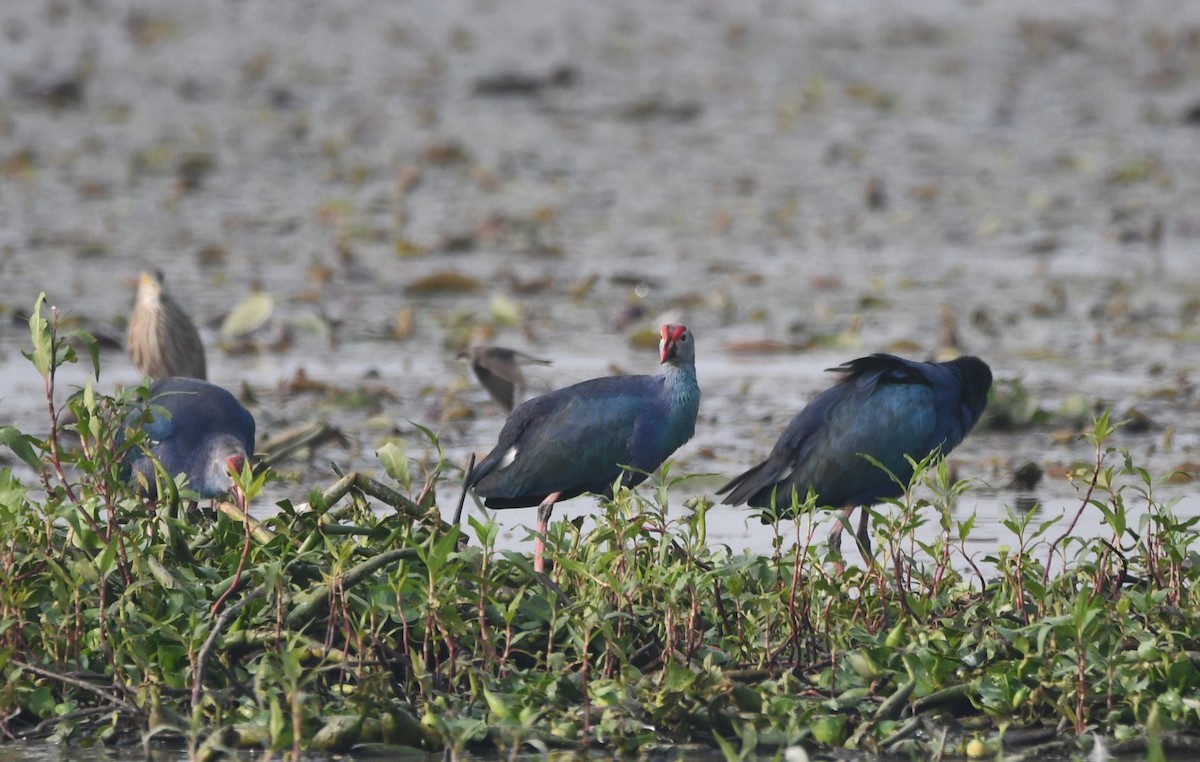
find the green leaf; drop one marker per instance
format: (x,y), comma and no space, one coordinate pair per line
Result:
(21,444)
(252,314)
(40,702)
(93,348)
(728,750)
(499,704)
(395,463)
(486,530)
(965,526)
(505,310)
(105,561)
(677,677)
(39,331)
(431,435)
(276,723)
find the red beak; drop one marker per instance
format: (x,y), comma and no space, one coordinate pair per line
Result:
(235,463)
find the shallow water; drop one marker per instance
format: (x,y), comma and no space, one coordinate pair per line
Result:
(835,178)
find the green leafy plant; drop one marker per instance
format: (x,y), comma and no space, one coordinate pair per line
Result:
(359,617)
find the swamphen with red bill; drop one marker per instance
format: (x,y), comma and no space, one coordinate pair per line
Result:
(576,440)
(884,407)
(205,434)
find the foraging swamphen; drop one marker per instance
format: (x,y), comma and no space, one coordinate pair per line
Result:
(576,440)
(499,371)
(884,407)
(162,339)
(205,434)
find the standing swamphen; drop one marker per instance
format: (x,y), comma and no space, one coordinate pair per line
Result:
(206,434)
(576,440)
(162,339)
(884,407)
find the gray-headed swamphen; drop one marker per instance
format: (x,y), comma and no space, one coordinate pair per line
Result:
(205,434)
(576,439)
(162,339)
(884,407)
(499,371)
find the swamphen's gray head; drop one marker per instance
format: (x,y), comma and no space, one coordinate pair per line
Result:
(195,428)
(676,345)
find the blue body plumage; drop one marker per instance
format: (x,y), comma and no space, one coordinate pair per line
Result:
(885,407)
(205,431)
(575,440)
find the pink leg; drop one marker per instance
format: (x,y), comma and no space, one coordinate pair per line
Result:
(539,544)
(862,536)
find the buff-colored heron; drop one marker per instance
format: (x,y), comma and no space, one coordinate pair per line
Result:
(162,339)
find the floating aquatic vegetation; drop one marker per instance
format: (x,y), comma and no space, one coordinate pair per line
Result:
(249,315)
(443,283)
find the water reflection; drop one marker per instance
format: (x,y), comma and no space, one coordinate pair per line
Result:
(1025,503)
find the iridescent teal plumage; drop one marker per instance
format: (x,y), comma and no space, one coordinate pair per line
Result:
(576,440)
(204,432)
(884,407)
